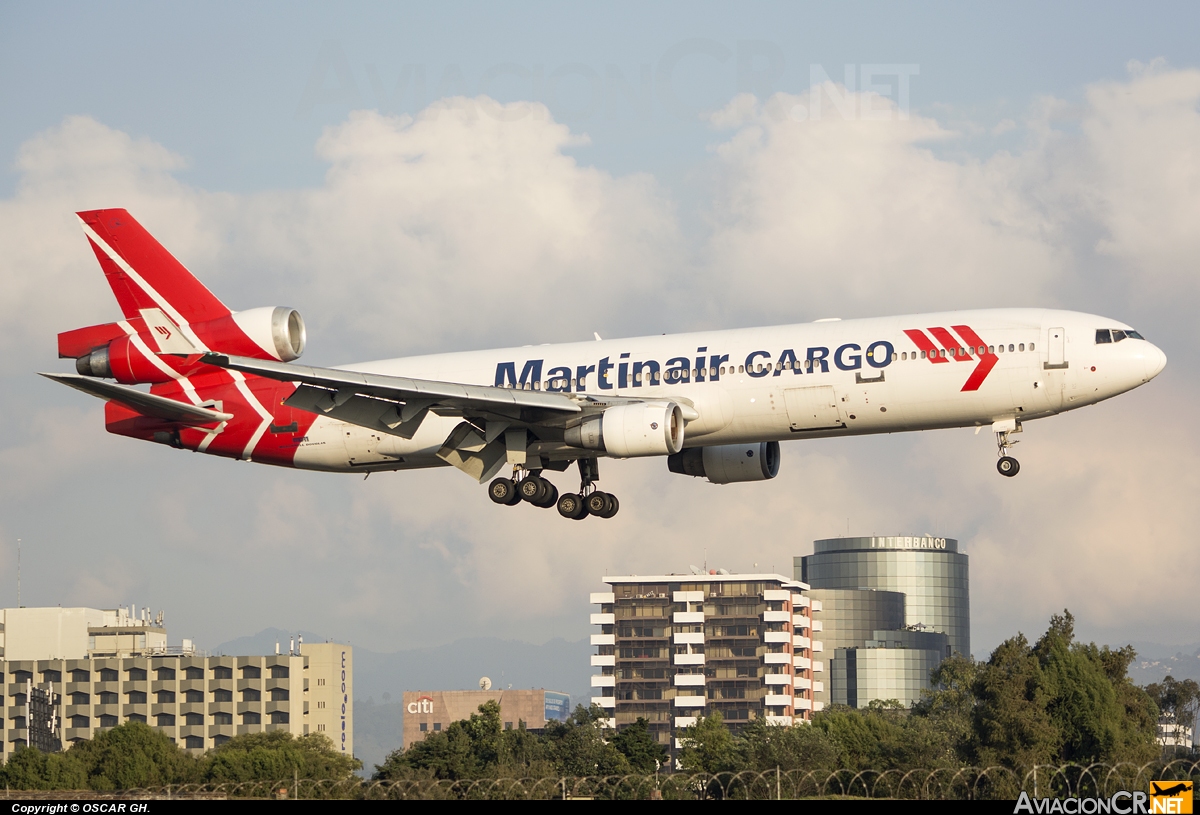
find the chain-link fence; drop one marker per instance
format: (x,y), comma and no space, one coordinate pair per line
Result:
(966,783)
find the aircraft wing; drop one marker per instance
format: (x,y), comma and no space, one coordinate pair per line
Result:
(147,404)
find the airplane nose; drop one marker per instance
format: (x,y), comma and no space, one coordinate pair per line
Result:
(1156,360)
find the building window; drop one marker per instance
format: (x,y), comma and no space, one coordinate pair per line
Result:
(222,695)
(279,672)
(279,694)
(222,672)
(137,674)
(18,722)
(193,673)
(320,705)
(21,677)
(320,681)
(108,675)
(80,721)
(320,728)
(193,742)
(136,717)
(424,726)
(108,698)
(165,674)
(108,721)
(165,697)
(222,718)
(193,719)
(251,672)
(251,718)
(437,726)
(508,725)
(251,695)
(137,697)
(193,696)
(279,717)
(81,676)
(79,698)
(219,740)
(51,676)
(165,720)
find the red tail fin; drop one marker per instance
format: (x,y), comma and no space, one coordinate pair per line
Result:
(143,274)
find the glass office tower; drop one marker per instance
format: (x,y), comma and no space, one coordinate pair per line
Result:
(931,573)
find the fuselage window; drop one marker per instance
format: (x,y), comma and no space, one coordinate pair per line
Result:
(1021,347)
(941,352)
(1103,335)
(722,369)
(1010,346)
(1030,346)
(712,371)
(991,349)
(741,369)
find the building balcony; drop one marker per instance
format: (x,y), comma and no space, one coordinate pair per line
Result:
(603,660)
(685,721)
(250,684)
(688,618)
(604,639)
(801,662)
(688,659)
(818,687)
(249,707)
(602,597)
(777,616)
(782,721)
(801,682)
(777,636)
(689,680)
(690,701)
(107,710)
(106,687)
(799,601)
(603,619)
(72,733)
(605,701)
(817,706)
(818,666)
(801,641)
(76,710)
(817,625)
(800,703)
(689,638)
(777,700)
(191,684)
(777,659)
(601,681)
(817,605)
(777,679)
(18,733)
(776,595)
(215,730)
(801,620)
(688,597)
(817,646)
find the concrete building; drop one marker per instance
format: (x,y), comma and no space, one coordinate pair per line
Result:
(432,711)
(674,647)
(112,666)
(893,608)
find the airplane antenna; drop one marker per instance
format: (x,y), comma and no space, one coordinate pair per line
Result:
(596,334)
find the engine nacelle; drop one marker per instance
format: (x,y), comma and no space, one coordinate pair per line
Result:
(729,463)
(278,330)
(626,431)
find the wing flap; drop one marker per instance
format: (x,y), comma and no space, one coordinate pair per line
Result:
(147,404)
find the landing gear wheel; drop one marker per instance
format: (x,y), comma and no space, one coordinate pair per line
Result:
(598,503)
(503,491)
(1008,466)
(572,506)
(551,496)
(613,506)
(533,489)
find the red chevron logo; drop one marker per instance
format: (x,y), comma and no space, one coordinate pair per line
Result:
(952,349)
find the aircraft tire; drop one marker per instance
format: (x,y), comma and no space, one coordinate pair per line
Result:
(551,497)
(569,504)
(613,506)
(503,491)
(598,503)
(532,489)
(1008,466)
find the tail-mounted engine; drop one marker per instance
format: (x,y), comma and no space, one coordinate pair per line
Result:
(728,463)
(626,431)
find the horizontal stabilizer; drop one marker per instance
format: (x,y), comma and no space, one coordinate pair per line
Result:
(147,404)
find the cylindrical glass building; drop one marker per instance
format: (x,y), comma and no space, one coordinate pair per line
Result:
(931,573)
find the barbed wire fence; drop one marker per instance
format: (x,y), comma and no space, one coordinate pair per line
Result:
(966,783)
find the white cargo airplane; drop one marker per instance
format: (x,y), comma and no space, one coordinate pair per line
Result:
(716,404)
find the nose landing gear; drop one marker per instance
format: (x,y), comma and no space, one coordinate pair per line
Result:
(1007,465)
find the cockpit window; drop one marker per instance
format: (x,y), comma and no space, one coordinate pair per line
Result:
(1103,335)
(1118,335)
(1133,335)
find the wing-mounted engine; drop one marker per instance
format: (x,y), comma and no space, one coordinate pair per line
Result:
(729,463)
(627,431)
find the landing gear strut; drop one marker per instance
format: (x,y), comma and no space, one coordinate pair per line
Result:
(1007,465)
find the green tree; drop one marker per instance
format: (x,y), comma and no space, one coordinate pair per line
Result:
(800,747)
(709,747)
(277,755)
(638,745)
(1179,700)
(579,746)
(30,769)
(133,755)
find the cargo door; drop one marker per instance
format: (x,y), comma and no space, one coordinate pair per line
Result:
(1056,348)
(812,408)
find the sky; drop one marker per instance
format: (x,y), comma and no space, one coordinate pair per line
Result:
(417,177)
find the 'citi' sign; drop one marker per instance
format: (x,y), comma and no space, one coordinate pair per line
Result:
(424,704)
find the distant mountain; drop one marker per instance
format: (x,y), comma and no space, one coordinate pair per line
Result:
(381,678)
(1155,661)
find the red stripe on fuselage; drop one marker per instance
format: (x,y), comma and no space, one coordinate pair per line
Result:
(987,360)
(921,341)
(950,344)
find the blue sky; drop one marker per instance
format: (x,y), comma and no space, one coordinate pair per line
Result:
(1045,155)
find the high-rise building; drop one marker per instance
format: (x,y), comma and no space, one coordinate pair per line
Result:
(431,711)
(674,647)
(100,668)
(893,608)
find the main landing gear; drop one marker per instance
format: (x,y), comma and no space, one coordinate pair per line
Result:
(1007,465)
(529,486)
